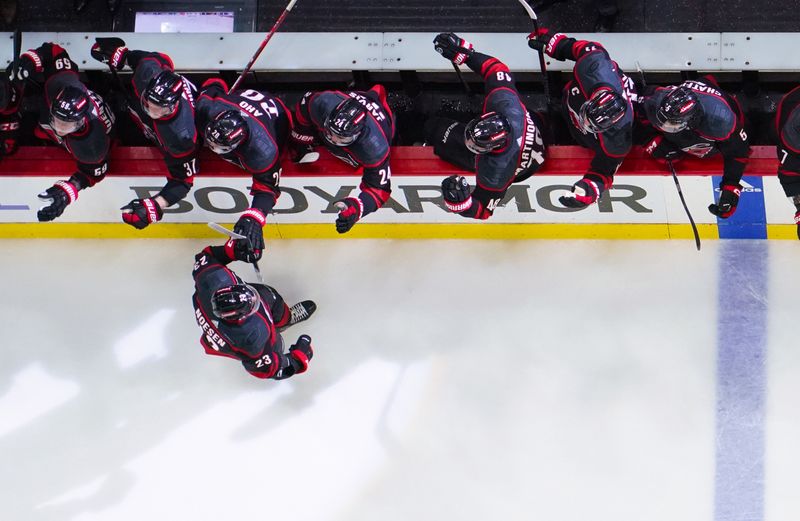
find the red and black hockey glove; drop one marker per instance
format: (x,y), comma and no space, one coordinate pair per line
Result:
(141,212)
(251,224)
(60,195)
(661,149)
(111,51)
(350,211)
(456,193)
(30,67)
(453,47)
(585,192)
(545,40)
(238,249)
(301,353)
(728,200)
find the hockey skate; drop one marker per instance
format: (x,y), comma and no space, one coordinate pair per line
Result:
(300,312)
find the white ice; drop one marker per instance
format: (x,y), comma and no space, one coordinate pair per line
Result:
(452,380)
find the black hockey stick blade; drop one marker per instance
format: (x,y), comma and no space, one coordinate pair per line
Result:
(683,202)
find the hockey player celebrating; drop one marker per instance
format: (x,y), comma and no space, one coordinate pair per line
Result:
(161,103)
(72,116)
(356,127)
(244,321)
(249,129)
(503,145)
(697,118)
(787,129)
(598,103)
(10,97)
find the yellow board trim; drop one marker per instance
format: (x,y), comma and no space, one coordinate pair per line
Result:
(477,230)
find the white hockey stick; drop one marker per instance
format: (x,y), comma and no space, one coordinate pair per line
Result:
(233,235)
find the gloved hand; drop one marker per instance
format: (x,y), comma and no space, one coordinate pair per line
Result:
(456,193)
(238,249)
(545,40)
(29,67)
(111,51)
(350,211)
(453,47)
(797,222)
(141,212)
(728,200)
(250,225)
(301,352)
(59,196)
(298,151)
(660,148)
(584,192)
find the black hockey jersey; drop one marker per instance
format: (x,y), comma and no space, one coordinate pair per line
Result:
(176,136)
(90,145)
(595,69)
(720,130)
(268,124)
(524,153)
(255,341)
(787,138)
(370,153)
(10,99)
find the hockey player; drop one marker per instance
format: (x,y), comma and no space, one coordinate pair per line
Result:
(357,127)
(72,116)
(503,145)
(787,129)
(697,118)
(244,321)
(249,129)
(161,103)
(10,97)
(598,103)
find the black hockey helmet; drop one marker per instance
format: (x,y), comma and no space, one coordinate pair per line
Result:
(345,123)
(680,109)
(69,110)
(487,132)
(602,110)
(235,303)
(226,131)
(161,96)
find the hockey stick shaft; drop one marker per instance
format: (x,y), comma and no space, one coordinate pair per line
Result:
(264,43)
(683,202)
(461,79)
(233,235)
(542,65)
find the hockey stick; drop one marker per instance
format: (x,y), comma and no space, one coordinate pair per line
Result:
(683,202)
(674,174)
(17,52)
(263,44)
(461,79)
(542,65)
(233,235)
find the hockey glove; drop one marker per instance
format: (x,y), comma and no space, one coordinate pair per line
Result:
(238,249)
(584,192)
(661,149)
(250,225)
(141,212)
(301,353)
(30,67)
(350,211)
(797,222)
(453,47)
(59,196)
(545,40)
(111,51)
(728,200)
(456,193)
